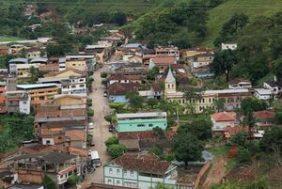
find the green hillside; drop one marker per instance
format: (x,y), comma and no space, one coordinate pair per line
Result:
(253,8)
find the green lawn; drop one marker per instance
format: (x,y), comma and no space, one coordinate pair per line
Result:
(8,38)
(253,8)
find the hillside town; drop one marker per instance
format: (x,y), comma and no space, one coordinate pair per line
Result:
(122,114)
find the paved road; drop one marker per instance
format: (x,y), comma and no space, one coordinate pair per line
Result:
(100,131)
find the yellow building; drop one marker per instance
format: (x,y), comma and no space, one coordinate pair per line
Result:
(40,93)
(231,97)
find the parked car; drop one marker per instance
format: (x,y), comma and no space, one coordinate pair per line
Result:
(91,126)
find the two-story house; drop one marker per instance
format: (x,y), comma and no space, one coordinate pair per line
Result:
(140,171)
(221,120)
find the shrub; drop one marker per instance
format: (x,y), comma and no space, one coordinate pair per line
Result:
(239,139)
(112,140)
(104,75)
(73,179)
(243,156)
(116,150)
(49,183)
(89,102)
(90,113)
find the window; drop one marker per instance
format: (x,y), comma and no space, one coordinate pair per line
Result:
(118,181)
(151,125)
(118,170)
(110,170)
(109,180)
(131,173)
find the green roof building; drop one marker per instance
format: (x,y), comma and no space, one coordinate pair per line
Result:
(134,122)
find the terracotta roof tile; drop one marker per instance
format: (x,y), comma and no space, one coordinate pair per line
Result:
(164,60)
(265,114)
(122,88)
(224,116)
(143,163)
(131,77)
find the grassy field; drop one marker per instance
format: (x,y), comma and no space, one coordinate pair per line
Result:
(8,38)
(133,7)
(253,8)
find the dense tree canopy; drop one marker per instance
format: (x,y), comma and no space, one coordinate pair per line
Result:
(187,147)
(15,129)
(251,104)
(229,30)
(181,24)
(223,62)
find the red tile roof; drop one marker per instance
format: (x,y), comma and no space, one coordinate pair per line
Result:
(122,88)
(131,77)
(143,163)
(265,114)
(164,60)
(224,116)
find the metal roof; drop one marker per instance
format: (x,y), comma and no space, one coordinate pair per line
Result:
(39,59)
(16,60)
(141,114)
(37,85)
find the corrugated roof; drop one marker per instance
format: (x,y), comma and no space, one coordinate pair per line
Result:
(37,85)
(15,60)
(141,114)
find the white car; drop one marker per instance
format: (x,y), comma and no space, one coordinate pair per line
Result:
(91,126)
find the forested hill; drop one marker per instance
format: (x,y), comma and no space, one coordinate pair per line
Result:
(252,8)
(199,22)
(184,23)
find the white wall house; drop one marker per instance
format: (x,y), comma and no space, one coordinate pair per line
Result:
(263,94)
(226,46)
(75,85)
(24,104)
(139,171)
(221,120)
(274,86)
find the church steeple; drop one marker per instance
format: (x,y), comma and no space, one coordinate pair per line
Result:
(170,82)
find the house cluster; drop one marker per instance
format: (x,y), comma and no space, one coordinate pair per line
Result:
(54,90)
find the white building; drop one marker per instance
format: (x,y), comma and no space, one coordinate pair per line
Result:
(240,84)
(226,46)
(273,85)
(18,101)
(140,171)
(221,120)
(74,85)
(263,94)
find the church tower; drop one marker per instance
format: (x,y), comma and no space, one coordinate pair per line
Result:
(170,82)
